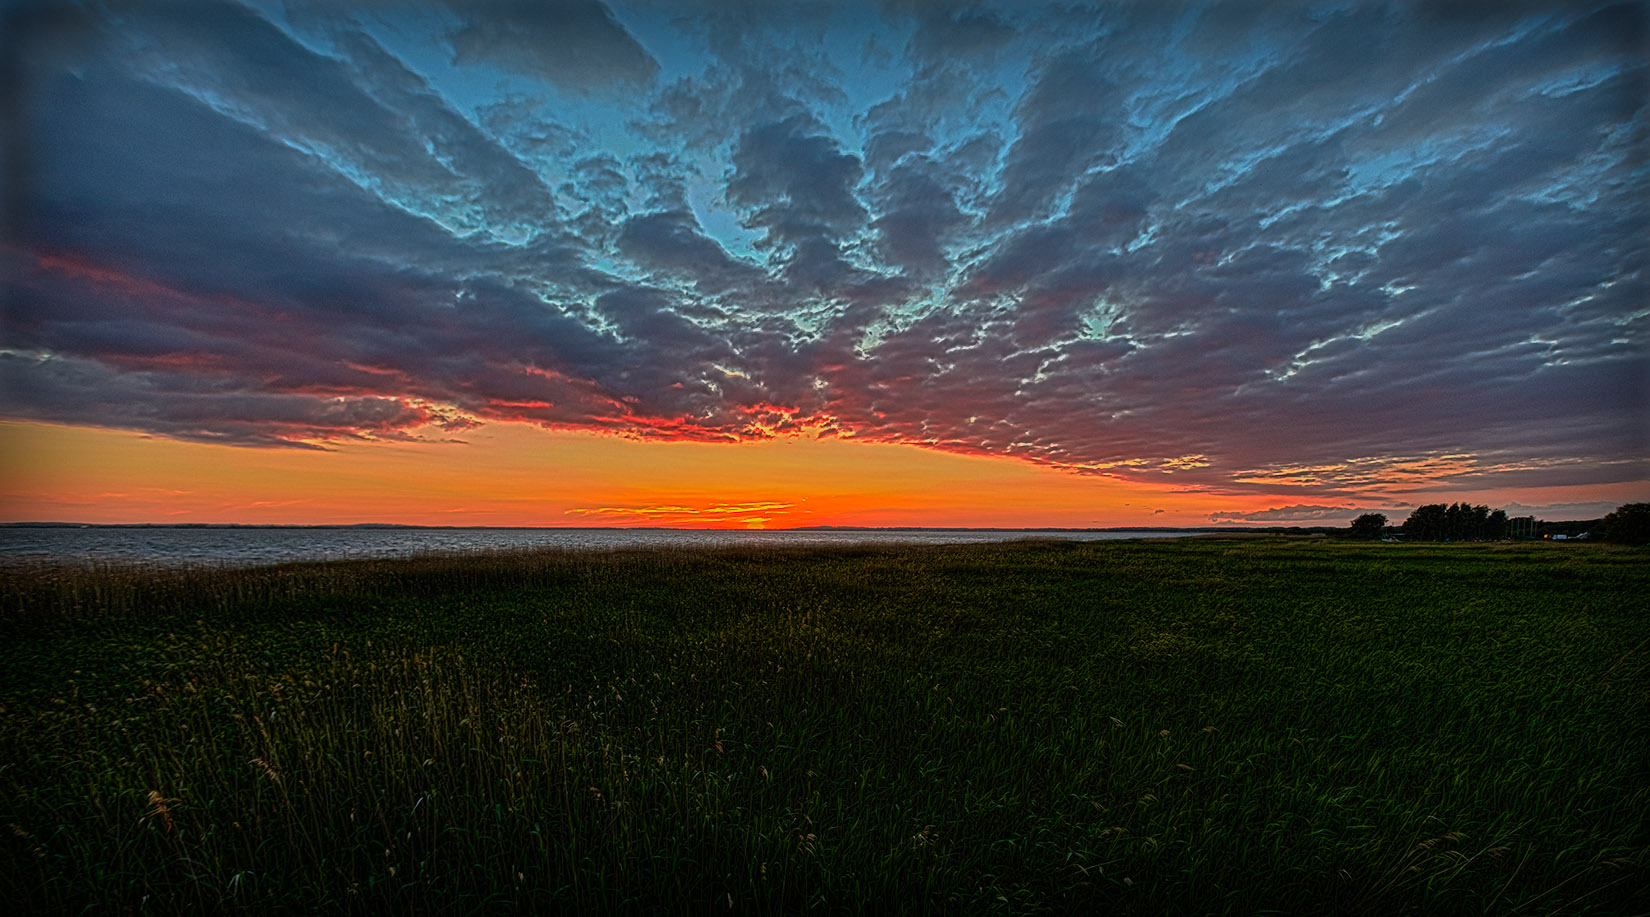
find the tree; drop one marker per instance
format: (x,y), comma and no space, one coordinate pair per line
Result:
(1369,525)
(1455,522)
(1497,525)
(1629,523)
(1426,523)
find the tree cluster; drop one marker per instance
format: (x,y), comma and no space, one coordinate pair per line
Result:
(1369,525)
(1455,522)
(1628,524)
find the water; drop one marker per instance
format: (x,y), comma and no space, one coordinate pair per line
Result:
(260,546)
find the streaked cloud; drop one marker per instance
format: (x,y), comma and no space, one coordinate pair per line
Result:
(680,514)
(1300,513)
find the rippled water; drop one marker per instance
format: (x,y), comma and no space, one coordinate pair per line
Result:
(254,546)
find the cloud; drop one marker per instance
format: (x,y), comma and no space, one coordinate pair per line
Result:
(796,180)
(1058,141)
(1559,512)
(182,405)
(672,241)
(576,45)
(1293,514)
(919,217)
(681,514)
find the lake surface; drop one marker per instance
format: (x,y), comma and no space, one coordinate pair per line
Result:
(257,546)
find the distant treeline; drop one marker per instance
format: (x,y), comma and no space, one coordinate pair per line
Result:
(1628,524)
(1456,522)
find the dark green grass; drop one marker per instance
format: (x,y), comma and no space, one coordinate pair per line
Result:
(1190,726)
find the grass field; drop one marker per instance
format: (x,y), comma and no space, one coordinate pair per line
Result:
(1187,726)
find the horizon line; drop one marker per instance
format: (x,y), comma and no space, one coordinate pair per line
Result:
(683,528)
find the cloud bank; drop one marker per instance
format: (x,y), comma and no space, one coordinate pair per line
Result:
(1318,252)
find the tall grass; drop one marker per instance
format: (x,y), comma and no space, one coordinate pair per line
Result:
(1200,726)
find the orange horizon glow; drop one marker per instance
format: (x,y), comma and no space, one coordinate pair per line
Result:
(515,474)
(508,474)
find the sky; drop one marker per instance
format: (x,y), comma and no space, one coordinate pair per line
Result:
(764,264)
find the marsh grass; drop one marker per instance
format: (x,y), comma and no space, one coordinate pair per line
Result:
(1197,726)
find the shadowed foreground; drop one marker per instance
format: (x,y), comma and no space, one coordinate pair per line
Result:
(1194,726)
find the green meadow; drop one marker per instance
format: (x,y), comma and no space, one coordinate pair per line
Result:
(1189,726)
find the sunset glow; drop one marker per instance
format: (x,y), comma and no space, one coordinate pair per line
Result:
(512,474)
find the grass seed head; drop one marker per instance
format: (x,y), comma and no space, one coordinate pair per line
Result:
(268,769)
(158,808)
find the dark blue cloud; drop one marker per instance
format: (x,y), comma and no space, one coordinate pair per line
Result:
(574,44)
(1301,249)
